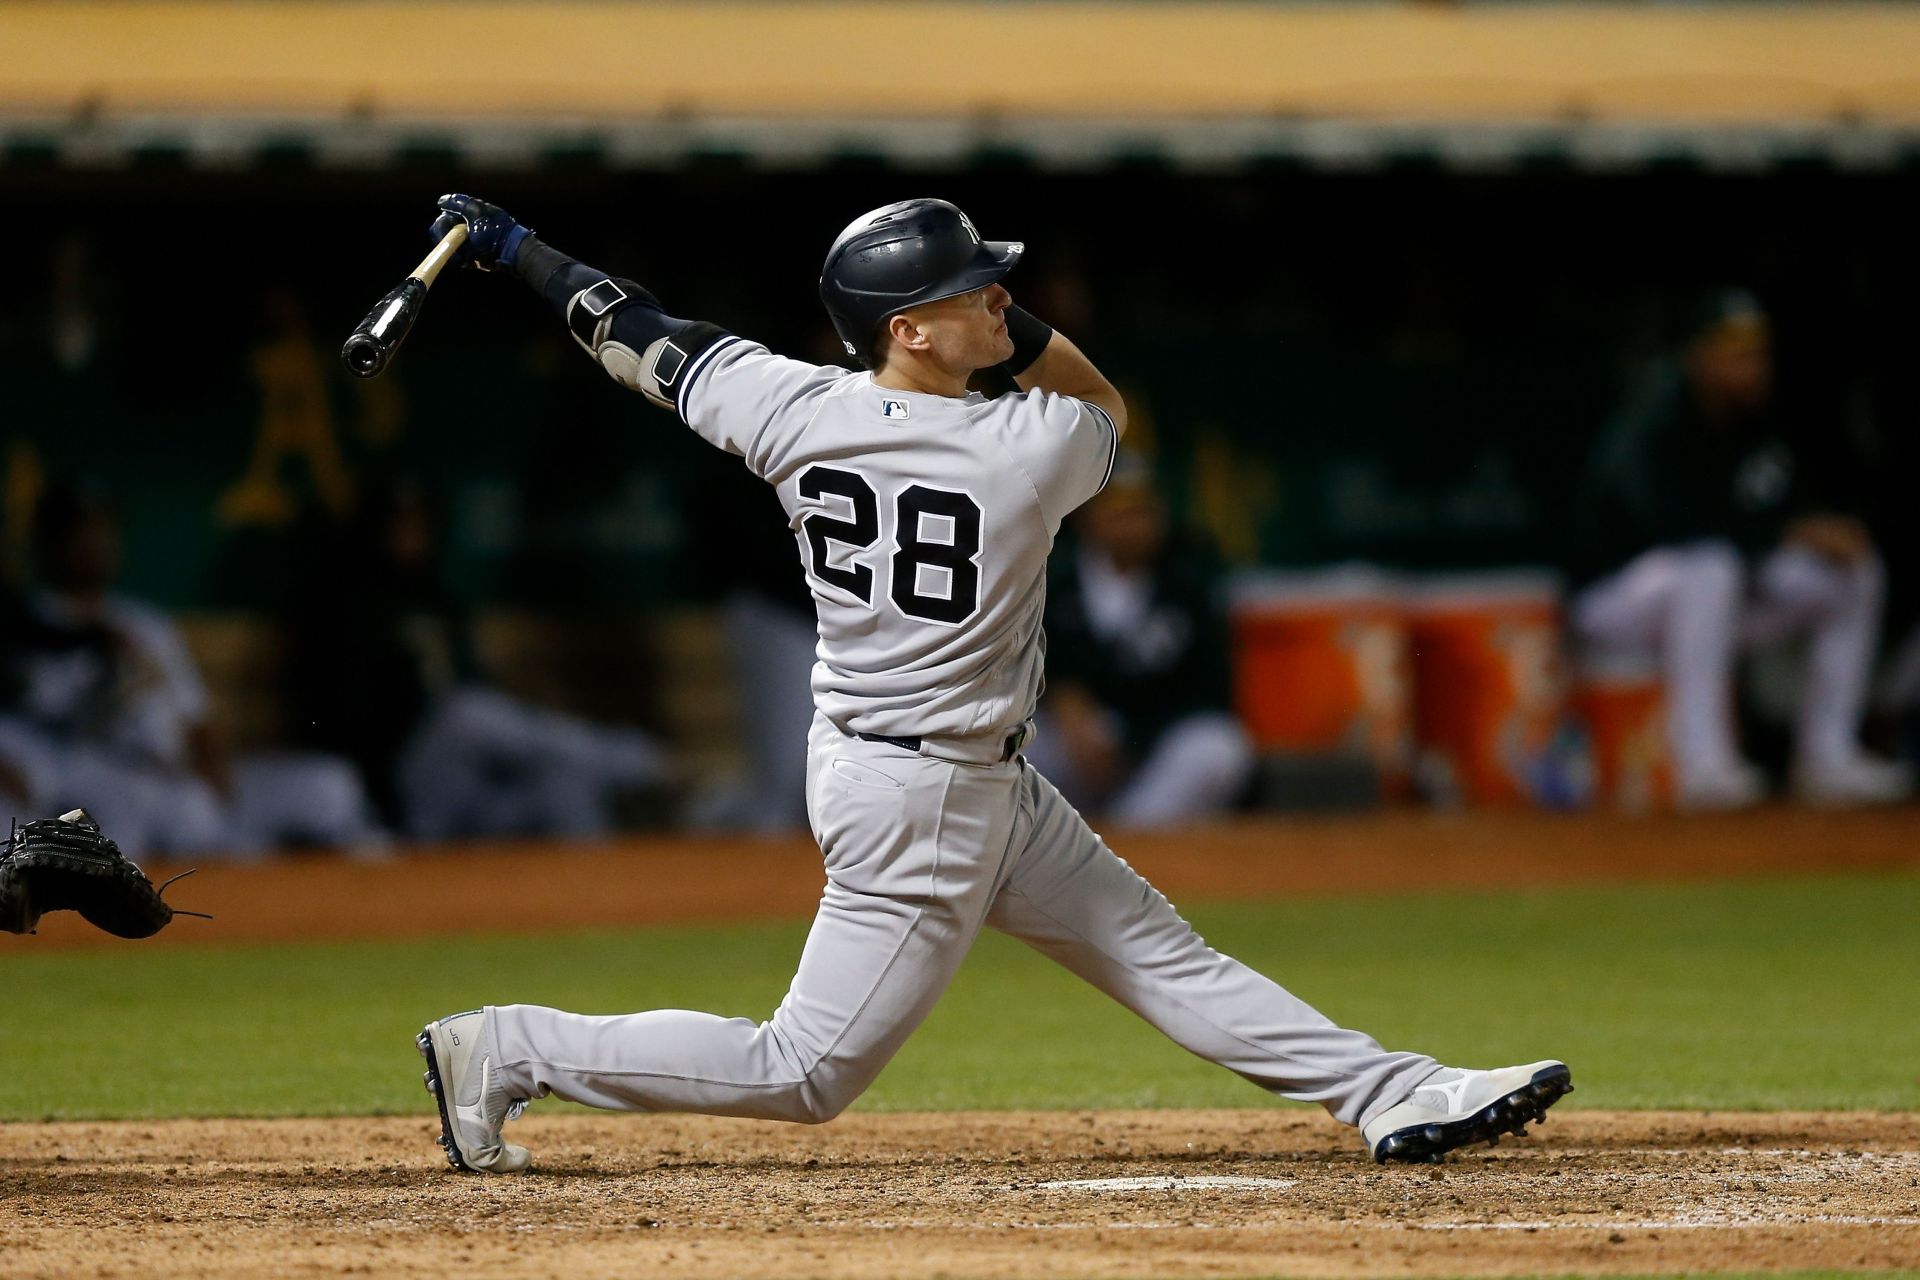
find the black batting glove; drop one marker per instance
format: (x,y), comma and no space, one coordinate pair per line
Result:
(493,237)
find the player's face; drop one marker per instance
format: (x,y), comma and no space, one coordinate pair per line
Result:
(1737,371)
(1128,523)
(88,558)
(967,331)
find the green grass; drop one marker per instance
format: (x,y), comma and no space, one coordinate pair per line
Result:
(1783,994)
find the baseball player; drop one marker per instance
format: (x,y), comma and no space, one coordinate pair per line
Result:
(923,516)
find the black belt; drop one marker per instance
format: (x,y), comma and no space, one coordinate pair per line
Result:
(1012,748)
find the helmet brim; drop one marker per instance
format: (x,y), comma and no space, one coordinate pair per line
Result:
(991,261)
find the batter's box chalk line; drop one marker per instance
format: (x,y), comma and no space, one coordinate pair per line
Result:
(1170,1183)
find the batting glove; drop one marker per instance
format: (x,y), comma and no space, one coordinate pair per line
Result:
(493,237)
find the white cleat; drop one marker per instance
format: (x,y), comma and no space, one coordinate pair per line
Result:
(1451,1108)
(1740,786)
(462,1078)
(1862,780)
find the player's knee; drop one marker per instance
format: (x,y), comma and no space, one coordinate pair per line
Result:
(1713,568)
(811,1101)
(817,1109)
(1224,745)
(824,1090)
(338,800)
(1209,745)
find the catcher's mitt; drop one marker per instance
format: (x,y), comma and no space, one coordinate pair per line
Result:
(66,864)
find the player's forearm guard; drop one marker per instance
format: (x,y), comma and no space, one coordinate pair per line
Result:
(619,323)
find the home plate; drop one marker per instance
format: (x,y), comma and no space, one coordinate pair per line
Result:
(1172,1184)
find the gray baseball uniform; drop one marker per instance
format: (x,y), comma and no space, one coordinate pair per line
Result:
(924,525)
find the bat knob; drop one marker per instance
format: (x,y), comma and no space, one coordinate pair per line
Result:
(364,355)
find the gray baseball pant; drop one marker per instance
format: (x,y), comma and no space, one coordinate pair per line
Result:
(920,854)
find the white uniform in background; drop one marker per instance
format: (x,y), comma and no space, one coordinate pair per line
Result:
(1695,608)
(485,764)
(924,525)
(1199,764)
(772,647)
(112,737)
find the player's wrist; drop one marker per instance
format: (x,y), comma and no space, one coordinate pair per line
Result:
(510,243)
(535,261)
(1029,335)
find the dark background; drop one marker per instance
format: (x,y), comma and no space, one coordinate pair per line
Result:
(1403,365)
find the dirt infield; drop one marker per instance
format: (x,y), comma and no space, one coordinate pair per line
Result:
(1174,1194)
(1221,1193)
(665,880)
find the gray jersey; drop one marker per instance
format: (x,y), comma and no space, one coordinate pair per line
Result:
(923,525)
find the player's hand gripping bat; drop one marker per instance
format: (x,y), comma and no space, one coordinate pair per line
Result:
(373,342)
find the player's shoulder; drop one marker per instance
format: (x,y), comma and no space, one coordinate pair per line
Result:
(1018,410)
(740,370)
(744,352)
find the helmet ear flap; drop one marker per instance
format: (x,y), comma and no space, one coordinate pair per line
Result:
(859,344)
(873,353)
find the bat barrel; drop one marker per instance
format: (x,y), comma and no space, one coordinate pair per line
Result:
(374,340)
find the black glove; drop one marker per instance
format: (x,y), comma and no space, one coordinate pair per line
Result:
(493,237)
(65,864)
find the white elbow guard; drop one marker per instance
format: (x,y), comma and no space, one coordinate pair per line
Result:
(641,347)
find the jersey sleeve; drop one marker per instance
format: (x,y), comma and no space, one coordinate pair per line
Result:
(1066,447)
(741,397)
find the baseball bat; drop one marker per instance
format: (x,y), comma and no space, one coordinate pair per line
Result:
(373,341)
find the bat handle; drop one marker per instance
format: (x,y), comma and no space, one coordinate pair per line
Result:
(430,266)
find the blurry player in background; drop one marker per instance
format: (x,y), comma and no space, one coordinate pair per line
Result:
(1701,535)
(385,671)
(1135,723)
(109,713)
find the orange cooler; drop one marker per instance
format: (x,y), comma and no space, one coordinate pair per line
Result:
(1488,688)
(1320,665)
(1625,712)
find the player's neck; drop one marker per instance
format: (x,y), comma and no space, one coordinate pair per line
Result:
(904,374)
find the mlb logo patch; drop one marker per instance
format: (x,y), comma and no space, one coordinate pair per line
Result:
(893,408)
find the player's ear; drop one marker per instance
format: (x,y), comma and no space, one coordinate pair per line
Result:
(902,329)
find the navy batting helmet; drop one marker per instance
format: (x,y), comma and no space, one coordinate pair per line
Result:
(903,255)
